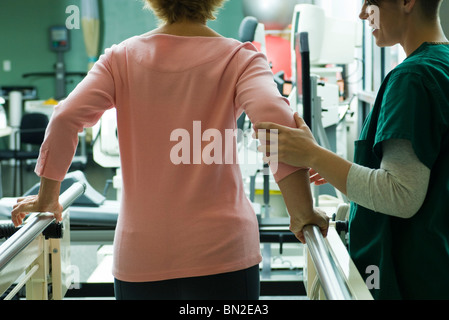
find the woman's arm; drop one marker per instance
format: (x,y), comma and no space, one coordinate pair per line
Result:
(258,96)
(82,108)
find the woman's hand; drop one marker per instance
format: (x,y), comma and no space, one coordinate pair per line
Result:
(46,201)
(319,219)
(293,146)
(31,204)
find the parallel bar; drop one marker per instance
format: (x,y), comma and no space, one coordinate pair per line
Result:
(35,225)
(332,282)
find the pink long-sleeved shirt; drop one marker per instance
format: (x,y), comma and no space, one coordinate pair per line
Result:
(176,219)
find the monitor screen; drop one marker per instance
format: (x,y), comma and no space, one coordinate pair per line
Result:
(331,40)
(59,38)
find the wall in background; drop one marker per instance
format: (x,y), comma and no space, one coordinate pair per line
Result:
(24,35)
(24,41)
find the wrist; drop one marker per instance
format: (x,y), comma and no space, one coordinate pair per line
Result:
(49,190)
(301,217)
(316,155)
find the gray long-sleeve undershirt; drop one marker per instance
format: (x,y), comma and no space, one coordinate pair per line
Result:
(398,188)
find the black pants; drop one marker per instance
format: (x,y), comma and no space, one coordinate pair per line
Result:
(237,285)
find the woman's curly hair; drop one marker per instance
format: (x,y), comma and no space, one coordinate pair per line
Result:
(170,11)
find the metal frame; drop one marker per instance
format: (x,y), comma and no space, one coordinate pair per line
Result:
(329,271)
(28,258)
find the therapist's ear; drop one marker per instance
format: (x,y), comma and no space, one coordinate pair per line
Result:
(408,5)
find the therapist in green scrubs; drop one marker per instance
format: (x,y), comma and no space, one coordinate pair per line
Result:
(399,182)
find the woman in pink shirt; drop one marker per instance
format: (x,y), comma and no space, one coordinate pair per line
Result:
(186,228)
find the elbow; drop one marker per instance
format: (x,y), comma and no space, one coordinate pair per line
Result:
(411,210)
(399,212)
(412,203)
(406,214)
(407,207)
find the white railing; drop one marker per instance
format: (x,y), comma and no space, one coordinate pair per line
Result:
(329,272)
(30,258)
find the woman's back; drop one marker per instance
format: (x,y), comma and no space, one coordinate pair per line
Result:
(164,116)
(177,100)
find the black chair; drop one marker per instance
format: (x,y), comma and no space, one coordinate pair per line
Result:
(31,133)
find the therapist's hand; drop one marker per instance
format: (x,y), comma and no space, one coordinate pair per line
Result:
(293,146)
(316,178)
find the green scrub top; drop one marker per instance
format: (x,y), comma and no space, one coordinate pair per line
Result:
(411,255)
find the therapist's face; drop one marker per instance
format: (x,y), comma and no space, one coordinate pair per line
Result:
(386,20)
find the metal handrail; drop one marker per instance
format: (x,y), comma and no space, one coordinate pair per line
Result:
(332,281)
(35,225)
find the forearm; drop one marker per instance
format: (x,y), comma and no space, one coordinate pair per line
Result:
(297,195)
(331,167)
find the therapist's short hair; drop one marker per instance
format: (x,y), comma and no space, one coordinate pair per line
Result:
(171,11)
(430,8)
